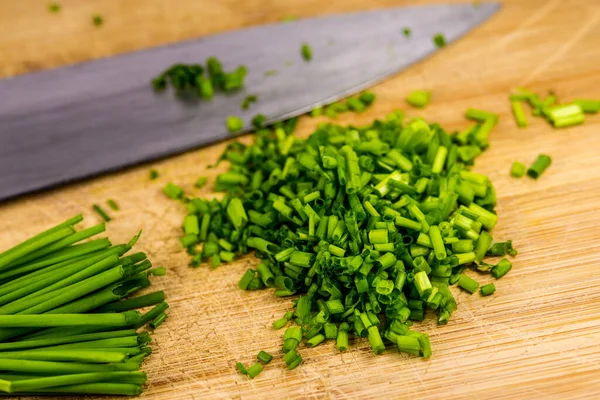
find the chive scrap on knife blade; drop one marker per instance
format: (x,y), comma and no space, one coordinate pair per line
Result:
(368,225)
(68,314)
(306,52)
(439,40)
(234,124)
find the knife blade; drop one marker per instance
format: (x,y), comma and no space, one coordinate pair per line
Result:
(65,124)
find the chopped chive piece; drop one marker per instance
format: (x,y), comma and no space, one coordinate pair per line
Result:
(264,357)
(101,212)
(501,268)
(234,124)
(588,106)
(156,322)
(97,20)
(153,174)
(241,368)
(254,370)
(541,163)
(488,289)
(201,182)
(54,7)
(248,101)
(517,169)
(408,344)
(467,283)
(113,204)
(517,109)
(419,98)
(439,40)
(406,32)
(173,191)
(306,52)
(289,18)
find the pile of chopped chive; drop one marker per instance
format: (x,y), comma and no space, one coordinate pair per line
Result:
(356,104)
(67,322)
(196,80)
(369,225)
(559,115)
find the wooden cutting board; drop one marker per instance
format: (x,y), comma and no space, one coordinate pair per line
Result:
(537,337)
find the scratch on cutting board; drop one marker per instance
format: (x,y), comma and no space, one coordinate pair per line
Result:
(562,50)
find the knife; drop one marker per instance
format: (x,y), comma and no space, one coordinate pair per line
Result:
(64,124)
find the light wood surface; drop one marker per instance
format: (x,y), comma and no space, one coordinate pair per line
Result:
(538,337)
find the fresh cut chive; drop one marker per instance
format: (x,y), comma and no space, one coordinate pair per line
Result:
(541,163)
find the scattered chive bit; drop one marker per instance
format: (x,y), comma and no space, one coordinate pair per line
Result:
(248,100)
(97,20)
(419,98)
(366,226)
(195,80)
(264,357)
(113,204)
(519,113)
(488,289)
(234,124)
(241,368)
(54,8)
(517,169)
(74,311)
(201,182)
(173,191)
(538,167)
(271,72)
(153,174)
(501,268)
(559,115)
(306,52)
(439,40)
(254,370)
(406,32)
(101,213)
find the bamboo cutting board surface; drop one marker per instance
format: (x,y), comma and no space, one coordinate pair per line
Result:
(538,337)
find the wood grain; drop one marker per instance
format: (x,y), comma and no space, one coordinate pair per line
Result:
(538,337)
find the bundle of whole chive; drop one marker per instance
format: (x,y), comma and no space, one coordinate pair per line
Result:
(200,81)
(369,225)
(67,321)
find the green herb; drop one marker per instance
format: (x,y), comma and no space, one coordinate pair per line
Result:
(201,182)
(241,368)
(439,40)
(254,370)
(113,204)
(406,32)
(173,191)
(517,109)
(234,124)
(361,222)
(541,163)
(62,322)
(101,212)
(501,268)
(264,357)
(419,98)
(517,169)
(54,7)
(97,20)
(306,52)
(248,100)
(588,106)
(468,283)
(153,174)
(488,289)
(195,80)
